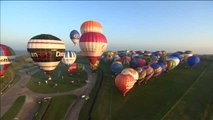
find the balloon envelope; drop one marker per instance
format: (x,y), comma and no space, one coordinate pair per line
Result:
(47,51)
(132,72)
(74,36)
(193,60)
(91,26)
(157,69)
(141,62)
(149,72)
(7,55)
(93,45)
(69,58)
(116,67)
(124,82)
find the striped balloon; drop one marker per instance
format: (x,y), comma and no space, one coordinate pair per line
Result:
(91,26)
(93,44)
(47,51)
(157,69)
(69,58)
(7,55)
(149,72)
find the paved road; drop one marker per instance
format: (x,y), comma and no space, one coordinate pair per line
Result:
(16,90)
(31,106)
(74,109)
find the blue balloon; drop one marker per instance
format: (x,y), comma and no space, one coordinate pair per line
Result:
(133,63)
(155,66)
(193,60)
(116,68)
(177,55)
(74,34)
(163,66)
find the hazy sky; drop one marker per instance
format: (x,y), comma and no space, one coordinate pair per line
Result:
(136,25)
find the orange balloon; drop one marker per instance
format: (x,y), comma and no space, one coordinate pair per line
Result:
(91,26)
(124,82)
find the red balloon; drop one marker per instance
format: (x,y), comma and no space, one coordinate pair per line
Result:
(73,68)
(7,55)
(124,83)
(93,44)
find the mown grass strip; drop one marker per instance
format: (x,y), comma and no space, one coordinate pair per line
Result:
(58,107)
(14,109)
(41,112)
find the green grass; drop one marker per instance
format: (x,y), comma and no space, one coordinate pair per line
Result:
(58,107)
(43,108)
(196,104)
(63,84)
(14,109)
(84,113)
(11,75)
(146,102)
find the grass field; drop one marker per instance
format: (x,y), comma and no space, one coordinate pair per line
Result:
(55,109)
(63,84)
(11,75)
(14,109)
(153,100)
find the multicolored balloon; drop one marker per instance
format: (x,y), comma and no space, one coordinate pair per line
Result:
(69,58)
(74,36)
(124,82)
(157,69)
(47,51)
(7,55)
(149,72)
(142,75)
(170,64)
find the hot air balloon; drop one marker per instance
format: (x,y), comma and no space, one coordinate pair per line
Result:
(69,58)
(142,74)
(133,63)
(47,51)
(175,59)
(132,72)
(91,26)
(193,60)
(157,69)
(74,36)
(7,55)
(74,68)
(163,66)
(116,67)
(170,64)
(177,55)
(141,62)
(93,44)
(149,72)
(124,82)
(187,54)
(126,60)
(109,56)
